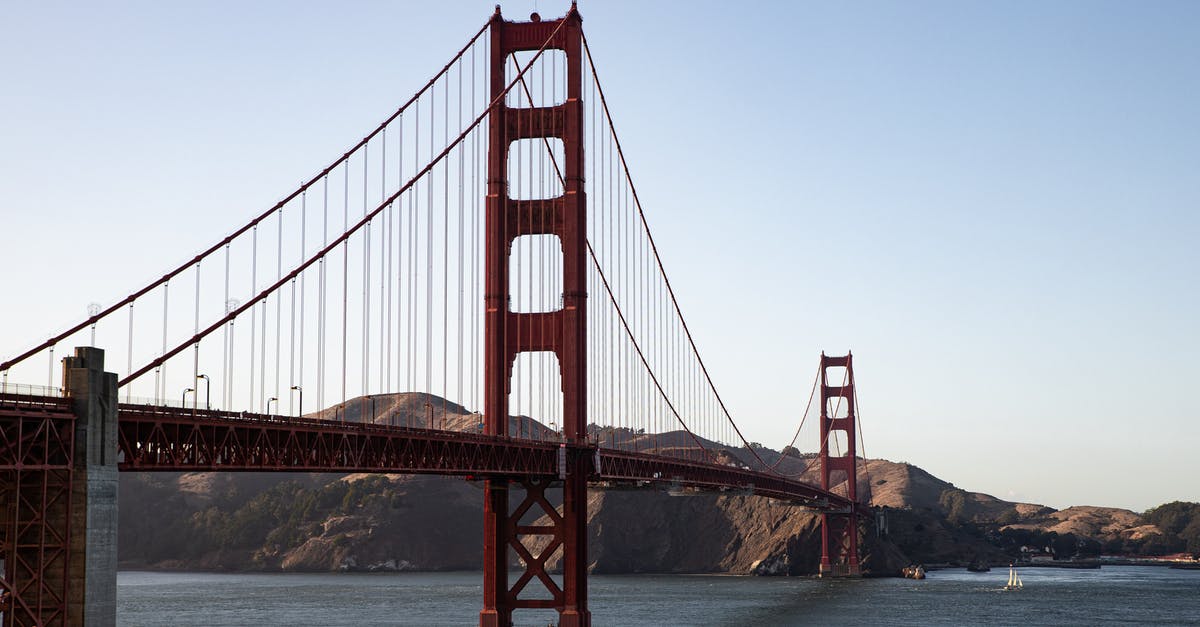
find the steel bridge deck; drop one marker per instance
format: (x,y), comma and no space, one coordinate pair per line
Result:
(175,439)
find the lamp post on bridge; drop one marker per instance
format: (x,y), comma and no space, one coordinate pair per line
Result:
(276,400)
(300,408)
(93,310)
(183,398)
(207,390)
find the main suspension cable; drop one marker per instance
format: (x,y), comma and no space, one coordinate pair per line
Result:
(346,235)
(248,226)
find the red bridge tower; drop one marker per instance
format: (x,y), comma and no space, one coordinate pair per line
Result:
(563,332)
(839,530)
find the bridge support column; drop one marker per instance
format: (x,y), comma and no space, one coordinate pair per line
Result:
(839,530)
(574,612)
(497,606)
(92,571)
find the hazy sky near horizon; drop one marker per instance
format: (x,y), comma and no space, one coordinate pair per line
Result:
(996,206)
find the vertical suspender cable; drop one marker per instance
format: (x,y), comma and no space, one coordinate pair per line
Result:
(622,259)
(476,304)
(385,274)
(429,256)
(594,303)
(303,249)
(345,278)
(278,298)
(403,303)
(545,279)
(196,348)
(161,371)
(413,222)
(253,310)
(513,253)
(525,175)
(262,356)
(365,384)
(291,350)
(226,381)
(404,311)
(445,247)
(128,356)
(321,279)
(462,153)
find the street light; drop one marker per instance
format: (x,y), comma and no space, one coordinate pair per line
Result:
(93,311)
(269,403)
(207,390)
(183,399)
(300,409)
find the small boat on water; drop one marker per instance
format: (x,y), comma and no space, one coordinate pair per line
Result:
(1014,580)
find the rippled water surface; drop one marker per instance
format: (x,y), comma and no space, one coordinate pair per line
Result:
(1116,595)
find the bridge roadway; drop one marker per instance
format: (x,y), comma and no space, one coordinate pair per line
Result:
(154,438)
(159,438)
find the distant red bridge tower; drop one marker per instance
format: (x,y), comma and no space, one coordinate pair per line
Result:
(839,530)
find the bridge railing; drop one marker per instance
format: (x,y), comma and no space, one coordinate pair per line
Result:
(25,389)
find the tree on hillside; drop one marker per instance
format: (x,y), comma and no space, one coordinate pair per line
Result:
(954,501)
(1115,546)
(1088,548)
(1180,520)
(1173,517)
(1159,545)
(1064,546)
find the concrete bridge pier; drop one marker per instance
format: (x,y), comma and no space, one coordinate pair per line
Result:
(92,565)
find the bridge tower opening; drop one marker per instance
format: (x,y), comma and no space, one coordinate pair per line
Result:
(839,530)
(562,331)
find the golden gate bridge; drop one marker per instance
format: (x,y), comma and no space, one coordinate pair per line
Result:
(484,243)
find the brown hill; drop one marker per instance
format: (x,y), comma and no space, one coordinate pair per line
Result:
(1103,524)
(904,486)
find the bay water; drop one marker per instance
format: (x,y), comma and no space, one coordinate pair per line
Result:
(1113,595)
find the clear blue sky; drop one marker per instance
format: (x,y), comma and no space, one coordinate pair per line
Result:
(995,205)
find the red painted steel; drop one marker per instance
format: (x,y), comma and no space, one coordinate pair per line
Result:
(839,530)
(625,466)
(37,449)
(182,439)
(534,506)
(169,438)
(562,332)
(35,474)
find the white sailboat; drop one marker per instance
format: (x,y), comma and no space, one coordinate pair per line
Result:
(1014,580)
